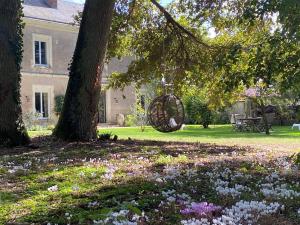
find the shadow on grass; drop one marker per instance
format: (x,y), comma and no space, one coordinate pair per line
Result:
(47,146)
(41,207)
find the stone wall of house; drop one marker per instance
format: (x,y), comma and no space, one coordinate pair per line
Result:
(63,45)
(119,102)
(54,85)
(54,79)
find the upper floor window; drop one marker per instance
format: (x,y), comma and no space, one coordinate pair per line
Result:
(42,50)
(40,53)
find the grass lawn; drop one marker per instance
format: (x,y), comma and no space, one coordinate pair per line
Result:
(281,137)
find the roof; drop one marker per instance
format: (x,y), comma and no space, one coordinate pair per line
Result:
(64,13)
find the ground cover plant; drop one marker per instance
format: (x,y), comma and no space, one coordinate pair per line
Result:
(147,182)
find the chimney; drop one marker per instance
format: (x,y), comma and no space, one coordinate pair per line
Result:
(52,3)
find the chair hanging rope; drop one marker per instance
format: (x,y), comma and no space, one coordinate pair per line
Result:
(166,113)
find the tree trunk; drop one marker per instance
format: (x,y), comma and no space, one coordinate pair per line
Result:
(78,120)
(264,116)
(12,129)
(205,126)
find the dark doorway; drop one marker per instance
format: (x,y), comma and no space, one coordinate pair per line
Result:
(102,108)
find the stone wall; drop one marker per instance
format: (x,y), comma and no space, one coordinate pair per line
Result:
(53,79)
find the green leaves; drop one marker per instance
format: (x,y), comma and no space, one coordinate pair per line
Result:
(197,110)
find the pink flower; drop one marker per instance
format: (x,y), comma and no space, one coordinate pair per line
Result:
(201,209)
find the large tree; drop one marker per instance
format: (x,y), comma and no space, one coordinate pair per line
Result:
(78,118)
(12,130)
(173,42)
(254,40)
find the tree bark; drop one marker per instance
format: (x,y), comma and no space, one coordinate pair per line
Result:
(12,129)
(264,116)
(78,120)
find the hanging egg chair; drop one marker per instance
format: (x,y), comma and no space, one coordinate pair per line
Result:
(166,113)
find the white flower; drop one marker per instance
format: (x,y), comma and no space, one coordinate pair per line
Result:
(220,181)
(12,171)
(278,191)
(248,211)
(159,180)
(81,174)
(75,187)
(109,174)
(93,204)
(53,188)
(194,221)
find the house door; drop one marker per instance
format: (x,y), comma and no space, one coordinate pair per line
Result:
(102,108)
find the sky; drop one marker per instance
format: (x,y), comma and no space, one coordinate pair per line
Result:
(164,2)
(211,32)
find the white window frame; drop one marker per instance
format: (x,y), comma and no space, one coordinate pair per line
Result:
(48,40)
(40,53)
(41,104)
(43,89)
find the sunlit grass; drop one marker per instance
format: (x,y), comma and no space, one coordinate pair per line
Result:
(219,134)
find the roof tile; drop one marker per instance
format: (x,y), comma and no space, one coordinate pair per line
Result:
(38,9)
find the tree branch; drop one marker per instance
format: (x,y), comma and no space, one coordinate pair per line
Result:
(172,21)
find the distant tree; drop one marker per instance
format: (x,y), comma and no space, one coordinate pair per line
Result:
(12,129)
(244,29)
(197,109)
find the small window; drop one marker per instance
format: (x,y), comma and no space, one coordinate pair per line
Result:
(40,53)
(42,104)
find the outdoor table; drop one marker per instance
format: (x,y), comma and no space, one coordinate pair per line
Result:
(295,125)
(252,123)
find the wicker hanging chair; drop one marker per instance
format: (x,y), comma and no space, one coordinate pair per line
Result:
(166,113)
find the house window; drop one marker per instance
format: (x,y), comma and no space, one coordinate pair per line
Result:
(40,53)
(42,50)
(42,104)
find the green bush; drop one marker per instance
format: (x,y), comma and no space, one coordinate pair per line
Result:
(221,117)
(31,121)
(198,112)
(105,136)
(138,117)
(130,121)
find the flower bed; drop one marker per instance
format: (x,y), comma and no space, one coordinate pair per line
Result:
(149,183)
